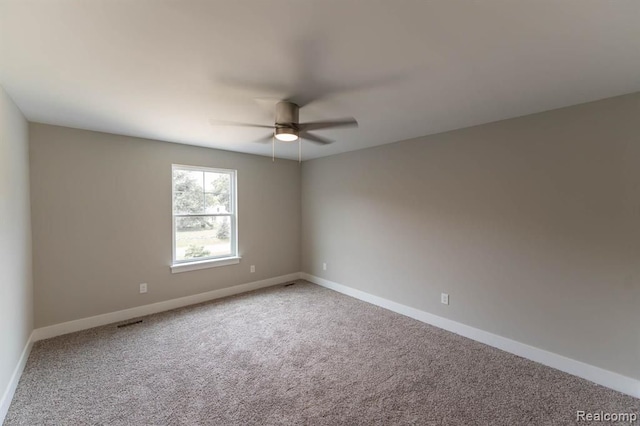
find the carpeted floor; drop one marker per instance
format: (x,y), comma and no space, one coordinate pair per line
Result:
(292,355)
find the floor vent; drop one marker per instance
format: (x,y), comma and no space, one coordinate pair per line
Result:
(289,284)
(130,323)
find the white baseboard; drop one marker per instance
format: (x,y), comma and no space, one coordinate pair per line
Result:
(592,373)
(139,311)
(7,396)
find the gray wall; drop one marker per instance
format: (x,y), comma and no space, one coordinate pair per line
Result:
(16,289)
(102,221)
(532,225)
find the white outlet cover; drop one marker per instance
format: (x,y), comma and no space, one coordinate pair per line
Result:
(444,298)
(143,288)
(324,266)
(253,268)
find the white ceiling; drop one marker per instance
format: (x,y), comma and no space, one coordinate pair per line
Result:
(162,69)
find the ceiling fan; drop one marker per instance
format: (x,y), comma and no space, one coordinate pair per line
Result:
(287,126)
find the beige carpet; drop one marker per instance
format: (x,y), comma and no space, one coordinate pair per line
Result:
(292,355)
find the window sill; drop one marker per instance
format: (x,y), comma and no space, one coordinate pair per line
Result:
(204,264)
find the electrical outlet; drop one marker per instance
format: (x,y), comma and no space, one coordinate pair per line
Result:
(324,266)
(444,298)
(252,269)
(143,288)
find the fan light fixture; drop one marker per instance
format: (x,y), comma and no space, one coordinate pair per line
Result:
(286,134)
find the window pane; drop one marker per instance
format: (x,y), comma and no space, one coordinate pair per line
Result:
(217,187)
(202,237)
(188,191)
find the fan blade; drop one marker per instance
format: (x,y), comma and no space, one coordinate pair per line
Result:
(318,125)
(235,123)
(316,139)
(265,139)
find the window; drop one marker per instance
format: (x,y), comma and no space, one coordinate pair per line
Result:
(204,215)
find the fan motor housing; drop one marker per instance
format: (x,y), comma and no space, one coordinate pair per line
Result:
(286,113)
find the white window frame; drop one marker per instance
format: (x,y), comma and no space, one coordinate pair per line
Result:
(211,261)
